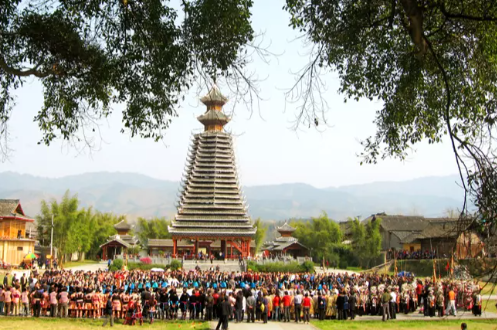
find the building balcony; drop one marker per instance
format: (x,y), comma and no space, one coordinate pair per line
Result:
(15,238)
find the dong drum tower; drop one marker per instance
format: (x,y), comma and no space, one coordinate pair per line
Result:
(211,206)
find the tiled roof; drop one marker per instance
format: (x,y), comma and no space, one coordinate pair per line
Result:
(402,234)
(118,240)
(214,96)
(402,222)
(211,232)
(345,227)
(212,117)
(8,206)
(123,225)
(167,242)
(436,228)
(286,228)
(12,208)
(133,240)
(285,239)
(411,238)
(281,247)
(405,223)
(439,230)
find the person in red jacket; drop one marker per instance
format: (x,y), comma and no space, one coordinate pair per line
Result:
(306,304)
(286,307)
(276,307)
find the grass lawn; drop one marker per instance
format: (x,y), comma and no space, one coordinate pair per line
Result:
(355,269)
(425,325)
(2,275)
(79,263)
(488,288)
(489,305)
(79,324)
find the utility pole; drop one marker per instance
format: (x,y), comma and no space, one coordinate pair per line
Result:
(51,239)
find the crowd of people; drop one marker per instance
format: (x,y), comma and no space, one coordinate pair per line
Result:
(419,254)
(135,296)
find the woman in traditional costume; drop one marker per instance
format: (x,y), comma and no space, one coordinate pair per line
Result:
(477,300)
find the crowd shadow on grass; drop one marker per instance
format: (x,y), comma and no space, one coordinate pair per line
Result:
(20,323)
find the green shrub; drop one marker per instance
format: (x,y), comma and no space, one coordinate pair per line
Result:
(175,265)
(343,263)
(308,266)
(251,265)
(133,265)
(142,266)
(117,264)
(274,267)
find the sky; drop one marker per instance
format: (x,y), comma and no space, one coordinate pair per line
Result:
(268,150)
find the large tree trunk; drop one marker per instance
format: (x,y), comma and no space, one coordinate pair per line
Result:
(414,14)
(81,256)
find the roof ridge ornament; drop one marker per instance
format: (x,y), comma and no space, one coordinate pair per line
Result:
(214,97)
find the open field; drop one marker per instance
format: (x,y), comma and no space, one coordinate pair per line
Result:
(82,324)
(488,288)
(70,264)
(489,305)
(452,324)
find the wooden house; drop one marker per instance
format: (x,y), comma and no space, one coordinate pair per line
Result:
(15,242)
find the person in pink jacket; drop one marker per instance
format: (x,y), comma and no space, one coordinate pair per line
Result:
(53,302)
(7,300)
(15,301)
(25,301)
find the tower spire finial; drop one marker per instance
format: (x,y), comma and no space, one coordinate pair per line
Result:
(214,98)
(214,118)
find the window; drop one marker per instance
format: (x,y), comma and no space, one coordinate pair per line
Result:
(20,248)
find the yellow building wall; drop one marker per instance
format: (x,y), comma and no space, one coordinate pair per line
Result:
(13,252)
(412,247)
(10,228)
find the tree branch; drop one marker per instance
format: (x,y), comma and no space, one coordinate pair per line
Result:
(466,17)
(26,73)
(448,124)
(392,14)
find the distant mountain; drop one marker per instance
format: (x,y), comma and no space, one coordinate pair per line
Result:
(443,186)
(137,195)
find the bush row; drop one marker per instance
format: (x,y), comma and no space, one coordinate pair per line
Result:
(118,265)
(275,267)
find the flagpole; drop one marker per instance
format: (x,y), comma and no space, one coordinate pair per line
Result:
(51,239)
(452,265)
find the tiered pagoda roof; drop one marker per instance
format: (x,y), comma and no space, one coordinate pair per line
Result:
(211,203)
(123,225)
(122,237)
(286,228)
(284,241)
